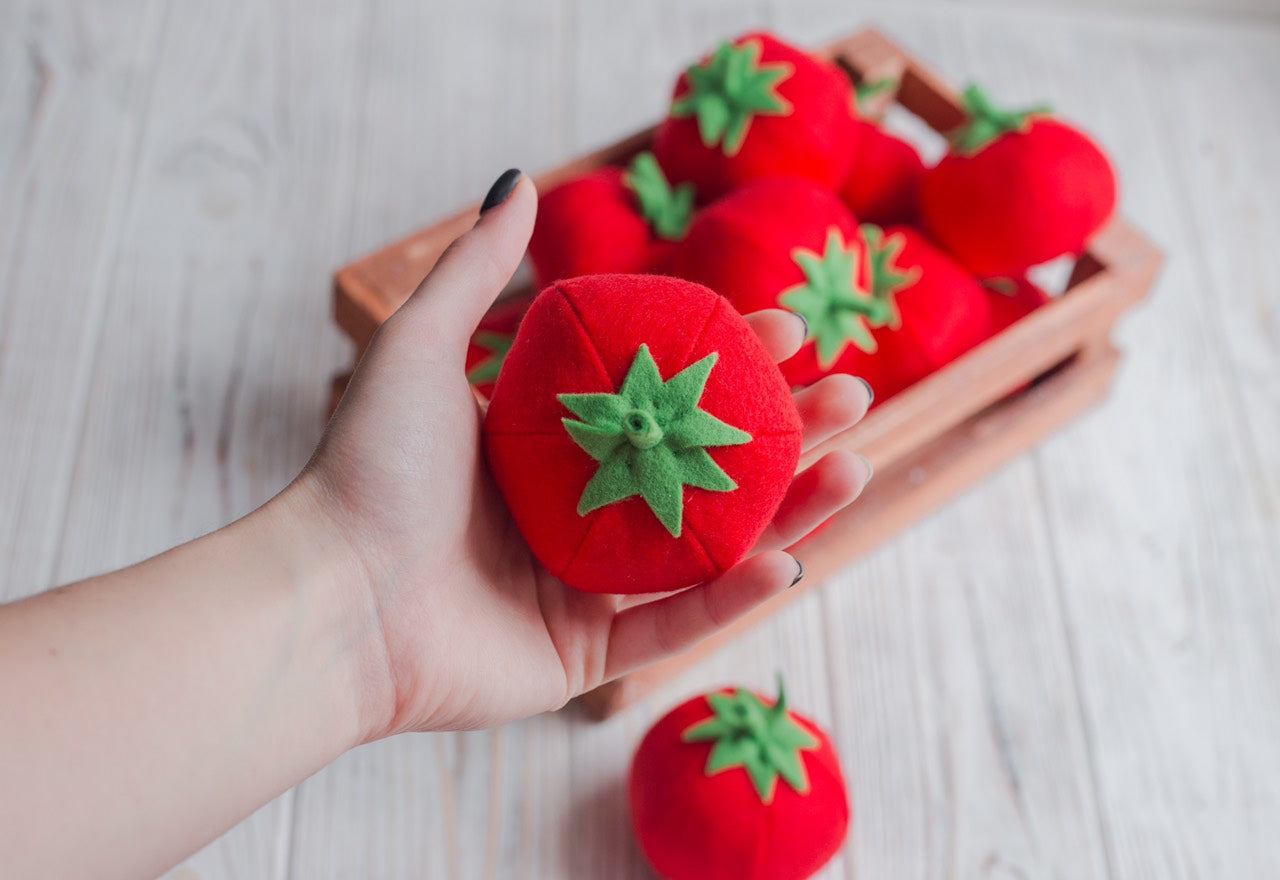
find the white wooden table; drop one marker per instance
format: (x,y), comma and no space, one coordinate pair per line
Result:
(1070,672)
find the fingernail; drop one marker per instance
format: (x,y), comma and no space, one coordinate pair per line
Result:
(871,392)
(870,468)
(805,322)
(501,189)
(799,574)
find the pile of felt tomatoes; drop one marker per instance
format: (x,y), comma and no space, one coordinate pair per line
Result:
(766,184)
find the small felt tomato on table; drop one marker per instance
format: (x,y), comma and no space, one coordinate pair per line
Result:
(755,108)
(918,312)
(640,433)
(490,343)
(760,244)
(610,220)
(729,786)
(1017,188)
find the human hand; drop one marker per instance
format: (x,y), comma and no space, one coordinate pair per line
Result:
(465,629)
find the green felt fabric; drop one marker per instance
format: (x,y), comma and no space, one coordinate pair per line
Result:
(667,210)
(838,309)
(988,122)
(887,277)
(728,90)
(498,345)
(763,740)
(651,439)
(864,92)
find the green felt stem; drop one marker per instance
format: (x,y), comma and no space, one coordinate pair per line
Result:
(838,310)
(730,89)
(987,122)
(667,210)
(651,439)
(765,741)
(888,278)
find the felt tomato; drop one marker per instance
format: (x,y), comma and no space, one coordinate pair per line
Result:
(883,186)
(759,242)
(730,787)
(1012,299)
(918,312)
(755,108)
(610,220)
(491,342)
(640,433)
(1016,189)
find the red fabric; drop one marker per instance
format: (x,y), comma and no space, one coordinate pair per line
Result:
(503,318)
(814,141)
(1009,308)
(883,186)
(591,225)
(1024,199)
(944,314)
(742,246)
(582,335)
(697,827)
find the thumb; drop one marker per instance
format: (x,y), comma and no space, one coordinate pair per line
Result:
(473,270)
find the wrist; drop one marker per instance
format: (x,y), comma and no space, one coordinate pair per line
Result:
(330,572)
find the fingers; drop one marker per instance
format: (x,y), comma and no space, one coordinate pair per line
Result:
(827,487)
(782,332)
(473,270)
(649,632)
(831,405)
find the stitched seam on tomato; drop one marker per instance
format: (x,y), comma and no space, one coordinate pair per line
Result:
(702,548)
(561,434)
(697,340)
(595,349)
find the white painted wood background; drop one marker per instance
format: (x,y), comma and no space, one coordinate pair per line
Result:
(1073,671)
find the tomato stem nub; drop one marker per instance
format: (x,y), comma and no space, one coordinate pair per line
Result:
(987,122)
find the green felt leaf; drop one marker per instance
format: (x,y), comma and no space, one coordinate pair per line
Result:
(764,741)
(498,346)
(728,90)
(866,91)
(838,310)
(987,122)
(667,210)
(887,277)
(650,439)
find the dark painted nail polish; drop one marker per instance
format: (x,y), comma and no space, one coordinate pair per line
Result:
(799,574)
(501,189)
(871,392)
(805,322)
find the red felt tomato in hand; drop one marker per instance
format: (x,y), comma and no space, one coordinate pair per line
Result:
(610,220)
(640,433)
(883,187)
(729,787)
(490,343)
(756,108)
(1017,189)
(758,243)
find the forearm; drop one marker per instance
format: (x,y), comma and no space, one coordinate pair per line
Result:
(147,710)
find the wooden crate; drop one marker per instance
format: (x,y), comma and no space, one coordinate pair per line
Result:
(929,442)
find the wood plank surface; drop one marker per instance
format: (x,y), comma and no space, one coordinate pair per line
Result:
(1071,671)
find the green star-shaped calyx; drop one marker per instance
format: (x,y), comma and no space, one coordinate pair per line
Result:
(499,346)
(987,122)
(651,439)
(728,90)
(866,92)
(838,309)
(765,741)
(668,210)
(887,277)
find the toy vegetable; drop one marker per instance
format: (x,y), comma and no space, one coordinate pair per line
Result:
(640,433)
(883,186)
(1017,188)
(491,342)
(730,786)
(610,220)
(756,108)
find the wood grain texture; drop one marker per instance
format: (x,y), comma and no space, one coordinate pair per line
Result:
(1068,672)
